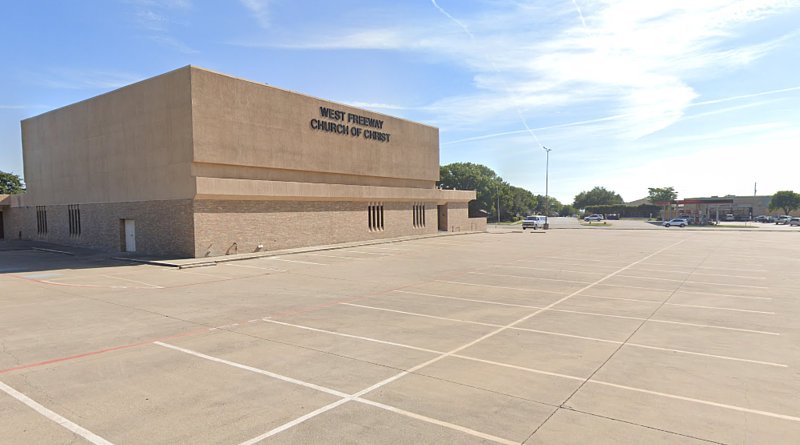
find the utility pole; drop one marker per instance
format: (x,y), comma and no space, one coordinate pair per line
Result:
(546,187)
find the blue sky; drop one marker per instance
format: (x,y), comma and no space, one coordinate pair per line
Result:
(700,95)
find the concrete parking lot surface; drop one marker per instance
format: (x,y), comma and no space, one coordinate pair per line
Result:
(563,337)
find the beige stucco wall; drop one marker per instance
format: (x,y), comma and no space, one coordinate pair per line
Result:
(287,224)
(255,126)
(163,228)
(237,189)
(132,144)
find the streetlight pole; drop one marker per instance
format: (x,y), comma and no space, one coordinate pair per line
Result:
(547,187)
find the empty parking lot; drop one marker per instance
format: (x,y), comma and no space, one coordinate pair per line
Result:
(569,336)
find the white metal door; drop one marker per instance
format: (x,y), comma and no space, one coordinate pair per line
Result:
(130,235)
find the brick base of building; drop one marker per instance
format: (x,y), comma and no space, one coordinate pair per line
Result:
(228,227)
(201,228)
(163,228)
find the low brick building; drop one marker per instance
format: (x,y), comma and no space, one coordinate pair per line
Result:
(194,163)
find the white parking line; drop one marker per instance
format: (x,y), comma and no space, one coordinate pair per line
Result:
(498,303)
(680,304)
(294,261)
(595,314)
(558,334)
(621,316)
(444,243)
(481,338)
(394,249)
(697,306)
(435,317)
(252,369)
(712,294)
(681,291)
(654,320)
(700,401)
(695,282)
(525,289)
(116,277)
(344,399)
(707,268)
(325,255)
(191,272)
(700,273)
(342,334)
(620,299)
(369,253)
(253,267)
(296,421)
(427,419)
(579,260)
(64,422)
(548,270)
(530,278)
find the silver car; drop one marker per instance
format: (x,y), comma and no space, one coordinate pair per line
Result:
(794,222)
(680,222)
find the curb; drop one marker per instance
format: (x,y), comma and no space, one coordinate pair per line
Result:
(206,262)
(42,249)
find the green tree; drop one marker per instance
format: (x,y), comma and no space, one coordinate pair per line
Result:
(661,194)
(523,202)
(489,188)
(10,184)
(482,179)
(541,207)
(786,200)
(596,196)
(567,210)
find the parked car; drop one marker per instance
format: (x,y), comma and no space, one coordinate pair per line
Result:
(794,222)
(533,222)
(763,219)
(680,222)
(783,219)
(612,216)
(730,217)
(594,217)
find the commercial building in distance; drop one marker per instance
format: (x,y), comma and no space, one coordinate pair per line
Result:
(194,163)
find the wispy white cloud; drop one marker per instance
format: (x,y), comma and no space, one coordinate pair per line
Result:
(169,4)
(259,9)
(626,58)
(154,18)
(619,117)
(70,78)
(580,13)
(169,41)
(151,21)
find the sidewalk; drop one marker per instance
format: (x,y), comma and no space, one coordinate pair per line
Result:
(186,263)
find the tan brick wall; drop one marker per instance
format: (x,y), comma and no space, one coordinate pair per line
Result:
(12,222)
(163,228)
(477,224)
(286,224)
(458,219)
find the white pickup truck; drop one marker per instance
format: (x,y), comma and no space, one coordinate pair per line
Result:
(533,222)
